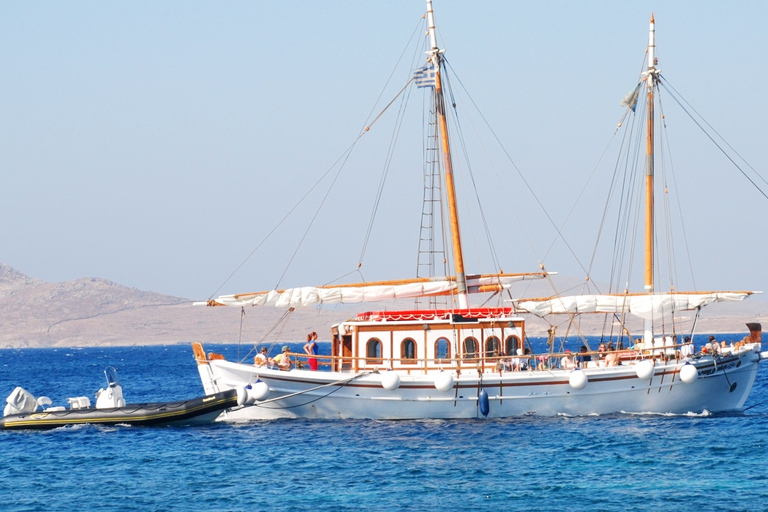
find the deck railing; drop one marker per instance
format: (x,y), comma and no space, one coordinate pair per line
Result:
(531,362)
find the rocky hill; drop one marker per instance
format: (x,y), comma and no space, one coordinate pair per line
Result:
(92,311)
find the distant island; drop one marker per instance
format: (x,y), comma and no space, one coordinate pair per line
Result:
(98,312)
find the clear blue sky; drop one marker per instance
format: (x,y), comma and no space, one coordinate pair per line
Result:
(155,144)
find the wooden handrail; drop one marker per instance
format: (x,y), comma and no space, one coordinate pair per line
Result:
(479,360)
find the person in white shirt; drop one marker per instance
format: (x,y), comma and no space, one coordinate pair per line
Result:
(686,349)
(568,362)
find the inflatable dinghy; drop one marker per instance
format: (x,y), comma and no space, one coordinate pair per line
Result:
(24,411)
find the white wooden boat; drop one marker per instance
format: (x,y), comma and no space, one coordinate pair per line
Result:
(465,361)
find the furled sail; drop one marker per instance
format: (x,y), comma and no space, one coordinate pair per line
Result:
(371,292)
(641,305)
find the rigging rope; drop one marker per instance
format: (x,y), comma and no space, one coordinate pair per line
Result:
(527,186)
(486,227)
(343,158)
(282,320)
(340,383)
(696,122)
(398,124)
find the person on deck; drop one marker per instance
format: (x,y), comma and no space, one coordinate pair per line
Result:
(713,347)
(283,360)
(686,350)
(529,361)
(261,358)
(311,349)
(567,362)
(517,362)
(583,357)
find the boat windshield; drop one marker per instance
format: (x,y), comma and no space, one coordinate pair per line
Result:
(111,374)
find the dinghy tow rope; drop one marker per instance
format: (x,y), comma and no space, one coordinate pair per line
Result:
(340,383)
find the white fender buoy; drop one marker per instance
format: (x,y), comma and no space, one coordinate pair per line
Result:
(259,390)
(390,381)
(444,381)
(644,369)
(688,373)
(578,379)
(250,393)
(242,395)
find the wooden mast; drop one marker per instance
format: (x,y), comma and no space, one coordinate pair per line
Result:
(651,76)
(458,257)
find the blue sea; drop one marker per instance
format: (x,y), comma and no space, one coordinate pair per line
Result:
(617,462)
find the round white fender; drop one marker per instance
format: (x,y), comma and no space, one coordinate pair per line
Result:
(444,381)
(644,369)
(242,395)
(390,381)
(250,393)
(259,390)
(688,373)
(578,379)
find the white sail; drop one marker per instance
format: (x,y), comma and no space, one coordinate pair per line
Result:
(643,306)
(352,294)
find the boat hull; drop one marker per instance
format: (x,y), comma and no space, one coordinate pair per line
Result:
(720,386)
(196,411)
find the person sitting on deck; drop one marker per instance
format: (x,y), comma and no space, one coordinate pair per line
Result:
(529,361)
(517,362)
(612,358)
(686,349)
(261,358)
(583,357)
(283,360)
(713,347)
(568,362)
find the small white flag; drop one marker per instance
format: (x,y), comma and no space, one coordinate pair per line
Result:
(425,77)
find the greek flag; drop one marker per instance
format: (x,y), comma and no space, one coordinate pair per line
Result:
(425,77)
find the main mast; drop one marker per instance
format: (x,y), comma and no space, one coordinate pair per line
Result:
(435,57)
(651,77)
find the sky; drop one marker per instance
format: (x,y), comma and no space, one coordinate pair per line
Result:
(158,144)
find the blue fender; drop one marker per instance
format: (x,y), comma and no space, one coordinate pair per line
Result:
(483,403)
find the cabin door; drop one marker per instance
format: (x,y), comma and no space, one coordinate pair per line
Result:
(346,352)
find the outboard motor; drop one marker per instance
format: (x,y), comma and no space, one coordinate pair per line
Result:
(112,396)
(20,401)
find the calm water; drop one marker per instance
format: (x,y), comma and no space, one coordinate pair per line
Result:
(595,463)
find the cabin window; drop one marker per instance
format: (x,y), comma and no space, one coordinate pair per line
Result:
(511,344)
(373,351)
(442,350)
(470,348)
(408,351)
(492,345)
